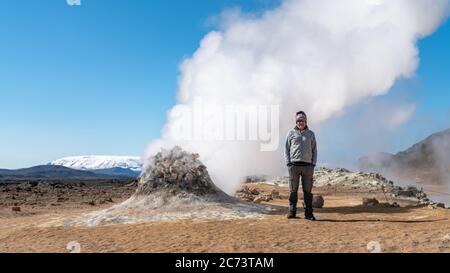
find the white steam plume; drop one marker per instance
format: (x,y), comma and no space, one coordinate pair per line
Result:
(320,56)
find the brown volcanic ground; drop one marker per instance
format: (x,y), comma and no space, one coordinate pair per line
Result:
(344,225)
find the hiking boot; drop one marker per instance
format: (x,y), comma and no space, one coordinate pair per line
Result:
(292,212)
(309,215)
(291,216)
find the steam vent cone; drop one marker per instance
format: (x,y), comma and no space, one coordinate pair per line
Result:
(175,185)
(177,173)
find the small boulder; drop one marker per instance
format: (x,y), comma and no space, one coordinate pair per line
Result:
(318,201)
(370,201)
(262,198)
(16,209)
(275,194)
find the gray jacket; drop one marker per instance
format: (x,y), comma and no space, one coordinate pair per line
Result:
(300,146)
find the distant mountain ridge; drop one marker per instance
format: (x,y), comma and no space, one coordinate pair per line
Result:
(427,160)
(117,172)
(52,172)
(100,164)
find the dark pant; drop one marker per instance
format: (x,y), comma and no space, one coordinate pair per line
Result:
(306,173)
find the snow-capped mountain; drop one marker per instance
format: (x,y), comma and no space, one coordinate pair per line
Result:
(98,162)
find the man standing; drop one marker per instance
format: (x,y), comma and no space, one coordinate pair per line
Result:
(301,159)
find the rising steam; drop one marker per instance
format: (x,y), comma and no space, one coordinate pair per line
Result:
(320,56)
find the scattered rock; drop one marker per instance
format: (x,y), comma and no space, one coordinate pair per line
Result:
(265,197)
(106,200)
(394,205)
(246,194)
(69,193)
(255,196)
(432,205)
(370,201)
(258,200)
(318,201)
(275,194)
(342,180)
(256,178)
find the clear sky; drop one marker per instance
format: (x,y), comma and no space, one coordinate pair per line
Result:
(98,78)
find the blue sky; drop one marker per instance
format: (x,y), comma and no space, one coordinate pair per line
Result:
(98,78)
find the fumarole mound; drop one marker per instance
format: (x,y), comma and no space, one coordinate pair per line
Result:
(174,185)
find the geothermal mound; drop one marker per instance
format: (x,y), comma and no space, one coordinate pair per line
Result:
(175,185)
(176,173)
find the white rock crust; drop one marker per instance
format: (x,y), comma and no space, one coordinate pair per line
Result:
(343,179)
